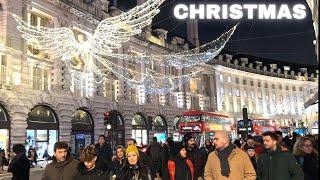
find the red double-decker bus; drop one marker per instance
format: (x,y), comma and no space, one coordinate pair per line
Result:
(203,124)
(261,125)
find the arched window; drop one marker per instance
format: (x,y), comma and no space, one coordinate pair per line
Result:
(43,128)
(139,129)
(159,123)
(159,126)
(4,128)
(81,117)
(139,122)
(3,114)
(82,131)
(41,114)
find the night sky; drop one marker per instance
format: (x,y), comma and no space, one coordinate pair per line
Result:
(283,40)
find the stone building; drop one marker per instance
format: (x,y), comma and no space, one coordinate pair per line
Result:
(268,89)
(43,100)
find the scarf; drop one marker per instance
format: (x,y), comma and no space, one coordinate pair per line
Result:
(223,156)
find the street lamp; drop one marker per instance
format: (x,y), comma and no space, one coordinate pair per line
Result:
(108,126)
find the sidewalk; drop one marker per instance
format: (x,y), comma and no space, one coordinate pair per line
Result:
(34,170)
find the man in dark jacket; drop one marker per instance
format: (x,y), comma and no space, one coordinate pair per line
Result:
(104,149)
(63,166)
(275,164)
(19,166)
(154,154)
(196,155)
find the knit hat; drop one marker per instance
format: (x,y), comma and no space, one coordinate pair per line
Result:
(176,147)
(132,149)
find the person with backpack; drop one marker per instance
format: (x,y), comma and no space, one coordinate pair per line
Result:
(179,166)
(307,157)
(154,155)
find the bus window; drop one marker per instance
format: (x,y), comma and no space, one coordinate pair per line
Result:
(186,119)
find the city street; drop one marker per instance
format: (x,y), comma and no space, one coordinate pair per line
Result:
(33,176)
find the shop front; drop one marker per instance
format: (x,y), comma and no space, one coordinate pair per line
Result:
(139,130)
(4,129)
(159,127)
(42,130)
(82,132)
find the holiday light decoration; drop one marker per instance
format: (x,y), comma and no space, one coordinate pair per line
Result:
(108,36)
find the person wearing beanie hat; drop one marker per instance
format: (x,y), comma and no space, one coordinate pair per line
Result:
(118,161)
(132,149)
(251,151)
(179,166)
(133,169)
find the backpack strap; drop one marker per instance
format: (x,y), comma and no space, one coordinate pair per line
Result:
(190,166)
(172,169)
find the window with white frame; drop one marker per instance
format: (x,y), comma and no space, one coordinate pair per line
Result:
(229,79)
(3,69)
(37,20)
(237,92)
(81,83)
(36,78)
(221,90)
(221,78)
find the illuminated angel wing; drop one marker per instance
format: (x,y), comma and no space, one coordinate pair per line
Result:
(187,58)
(56,41)
(111,32)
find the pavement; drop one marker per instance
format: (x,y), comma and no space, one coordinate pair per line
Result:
(35,173)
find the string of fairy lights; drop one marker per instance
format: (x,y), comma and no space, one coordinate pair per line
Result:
(109,35)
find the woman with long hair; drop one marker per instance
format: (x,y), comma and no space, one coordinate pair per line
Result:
(307,157)
(118,161)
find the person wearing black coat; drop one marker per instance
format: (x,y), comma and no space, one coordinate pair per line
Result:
(103,149)
(276,164)
(179,166)
(196,155)
(19,165)
(118,161)
(133,169)
(307,157)
(91,166)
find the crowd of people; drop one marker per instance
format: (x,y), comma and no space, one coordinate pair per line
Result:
(271,157)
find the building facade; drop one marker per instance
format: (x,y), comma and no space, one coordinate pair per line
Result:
(43,100)
(267,90)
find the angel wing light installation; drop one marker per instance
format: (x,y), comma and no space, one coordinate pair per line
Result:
(108,36)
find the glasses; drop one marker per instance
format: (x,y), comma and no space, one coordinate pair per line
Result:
(216,139)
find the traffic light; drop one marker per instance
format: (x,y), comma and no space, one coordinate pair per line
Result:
(106,118)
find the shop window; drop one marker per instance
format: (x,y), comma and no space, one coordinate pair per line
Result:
(139,130)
